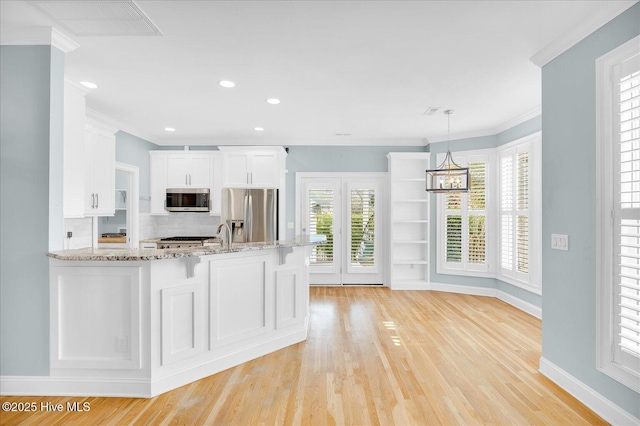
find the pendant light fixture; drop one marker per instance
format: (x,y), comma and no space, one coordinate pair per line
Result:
(449,176)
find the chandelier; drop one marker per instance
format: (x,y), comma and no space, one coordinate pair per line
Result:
(448,177)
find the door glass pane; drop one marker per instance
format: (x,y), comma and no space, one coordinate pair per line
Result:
(477,238)
(321,223)
(362,227)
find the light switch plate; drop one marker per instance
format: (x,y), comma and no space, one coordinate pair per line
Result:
(560,242)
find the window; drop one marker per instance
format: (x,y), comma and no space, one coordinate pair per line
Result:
(618,214)
(463,233)
(516,178)
(496,237)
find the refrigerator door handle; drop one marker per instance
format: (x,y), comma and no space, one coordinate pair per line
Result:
(250,220)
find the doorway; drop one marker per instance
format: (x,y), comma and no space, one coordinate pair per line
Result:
(348,209)
(125,220)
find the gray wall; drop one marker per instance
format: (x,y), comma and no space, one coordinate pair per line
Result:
(485,142)
(31,85)
(132,150)
(334,159)
(568,207)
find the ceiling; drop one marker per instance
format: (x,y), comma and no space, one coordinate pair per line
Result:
(346,72)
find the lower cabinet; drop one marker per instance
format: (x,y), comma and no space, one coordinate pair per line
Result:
(143,328)
(241,299)
(182,321)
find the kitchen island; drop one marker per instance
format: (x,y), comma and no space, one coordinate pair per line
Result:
(139,323)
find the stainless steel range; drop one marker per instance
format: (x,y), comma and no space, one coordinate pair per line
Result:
(182,242)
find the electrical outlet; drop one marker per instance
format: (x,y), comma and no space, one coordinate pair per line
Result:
(122,344)
(69,234)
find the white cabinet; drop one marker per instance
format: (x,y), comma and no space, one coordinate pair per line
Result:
(180,169)
(409,226)
(253,167)
(74,149)
(100,172)
(186,170)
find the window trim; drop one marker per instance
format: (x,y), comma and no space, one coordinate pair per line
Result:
(534,282)
(464,268)
(606,361)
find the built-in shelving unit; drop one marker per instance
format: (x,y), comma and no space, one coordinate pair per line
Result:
(409,230)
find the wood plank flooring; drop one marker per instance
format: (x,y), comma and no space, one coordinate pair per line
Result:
(372,357)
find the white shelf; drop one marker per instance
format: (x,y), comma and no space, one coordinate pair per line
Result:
(409,212)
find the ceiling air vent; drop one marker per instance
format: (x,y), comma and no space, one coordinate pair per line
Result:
(431,110)
(99,17)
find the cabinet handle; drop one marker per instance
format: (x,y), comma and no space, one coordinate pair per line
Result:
(251,177)
(97,200)
(93,198)
(186,179)
(189,179)
(247,177)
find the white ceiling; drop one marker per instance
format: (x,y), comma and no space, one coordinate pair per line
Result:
(369,69)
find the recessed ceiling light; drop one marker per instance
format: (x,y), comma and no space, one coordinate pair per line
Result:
(227,83)
(273,101)
(170,129)
(89,84)
(259,129)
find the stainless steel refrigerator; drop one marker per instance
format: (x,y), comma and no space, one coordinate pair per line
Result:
(252,214)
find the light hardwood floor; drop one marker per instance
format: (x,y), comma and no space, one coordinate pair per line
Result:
(372,356)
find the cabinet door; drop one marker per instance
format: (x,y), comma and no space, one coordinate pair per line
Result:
(100,177)
(264,172)
(200,171)
(216,184)
(158,183)
(236,170)
(74,151)
(104,173)
(177,171)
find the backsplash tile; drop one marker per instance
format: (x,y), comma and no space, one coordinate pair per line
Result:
(174,224)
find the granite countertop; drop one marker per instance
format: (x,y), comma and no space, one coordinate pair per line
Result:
(125,254)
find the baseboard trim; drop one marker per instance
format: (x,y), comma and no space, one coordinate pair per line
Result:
(71,386)
(524,306)
(527,307)
(597,403)
(140,387)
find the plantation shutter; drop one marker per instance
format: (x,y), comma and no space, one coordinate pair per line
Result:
(476,207)
(522,195)
(465,229)
(362,227)
(627,213)
(321,223)
(506,212)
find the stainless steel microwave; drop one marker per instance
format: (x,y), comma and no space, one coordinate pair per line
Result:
(188,200)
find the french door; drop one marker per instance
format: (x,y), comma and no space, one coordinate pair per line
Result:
(347,208)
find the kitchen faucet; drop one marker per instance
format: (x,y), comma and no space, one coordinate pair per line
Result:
(228,234)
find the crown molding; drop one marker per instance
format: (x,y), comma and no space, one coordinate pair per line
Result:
(519,120)
(37,36)
(94,115)
(77,85)
(492,131)
(606,13)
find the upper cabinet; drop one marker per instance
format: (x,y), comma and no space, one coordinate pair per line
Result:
(184,169)
(253,167)
(100,171)
(74,149)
